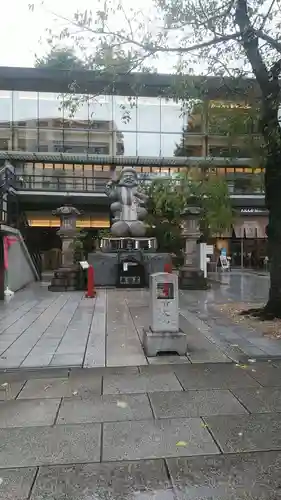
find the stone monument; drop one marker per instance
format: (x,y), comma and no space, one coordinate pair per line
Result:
(128,247)
(65,278)
(128,207)
(190,275)
(164,334)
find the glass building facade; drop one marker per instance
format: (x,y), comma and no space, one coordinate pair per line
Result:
(108,125)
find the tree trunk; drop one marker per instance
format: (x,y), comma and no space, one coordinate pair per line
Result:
(273,202)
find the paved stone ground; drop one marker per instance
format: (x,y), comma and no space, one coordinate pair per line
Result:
(236,341)
(39,328)
(170,432)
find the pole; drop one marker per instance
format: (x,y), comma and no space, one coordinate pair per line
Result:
(168,268)
(2,267)
(91,292)
(242,253)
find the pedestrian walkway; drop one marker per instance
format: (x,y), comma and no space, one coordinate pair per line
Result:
(170,432)
(39,328)
(235,340)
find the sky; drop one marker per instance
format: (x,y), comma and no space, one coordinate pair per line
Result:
(22,29)
(20,36)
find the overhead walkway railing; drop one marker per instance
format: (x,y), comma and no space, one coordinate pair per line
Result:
(89,159)
(61,183)
(238,184)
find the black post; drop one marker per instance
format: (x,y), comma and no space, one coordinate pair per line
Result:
(2,269)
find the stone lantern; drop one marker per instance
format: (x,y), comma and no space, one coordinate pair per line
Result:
(66,276)
(190,275)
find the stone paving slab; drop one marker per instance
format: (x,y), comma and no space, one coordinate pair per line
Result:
(16,483)
(29,413)
(105,409)
(138,383)
(267,374)
(262,400)
(26,374)
(62,387)
(239,433)
(164,360)
(123,341)
(95,354)
(249,476)
(202,308)
(10,390)
(214,376)
(145,480)
(61,444)
(194,404)
(156,439)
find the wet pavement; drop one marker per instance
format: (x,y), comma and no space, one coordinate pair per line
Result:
(200,308)
(39,328)
(170,432)
(194,427)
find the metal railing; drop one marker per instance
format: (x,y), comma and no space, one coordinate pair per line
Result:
(61,183)
(238,183)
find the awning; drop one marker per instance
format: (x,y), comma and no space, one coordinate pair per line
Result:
(226,233)
(239,229)
(261,229)
(251,228)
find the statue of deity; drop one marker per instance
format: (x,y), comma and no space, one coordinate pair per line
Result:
(128,205)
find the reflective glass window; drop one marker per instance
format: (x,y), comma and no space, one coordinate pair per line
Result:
(25,121)
(51,122)
(124,123)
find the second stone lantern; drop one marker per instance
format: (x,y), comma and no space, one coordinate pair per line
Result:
(65,278)
(190,275)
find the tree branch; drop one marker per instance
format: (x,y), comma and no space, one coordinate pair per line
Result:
(274,43)
(250,43)
(275,70)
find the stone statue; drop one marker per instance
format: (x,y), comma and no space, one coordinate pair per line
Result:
(128,205)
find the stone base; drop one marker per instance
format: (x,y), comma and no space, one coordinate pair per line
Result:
(106,265)
(192,279)
(154,343)
(65,279)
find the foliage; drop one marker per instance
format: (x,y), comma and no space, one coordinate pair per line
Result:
(60,58)
(222,38)
(168,199)
(78,250)
(236,122)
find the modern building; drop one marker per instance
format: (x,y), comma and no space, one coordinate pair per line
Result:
(63,141)
(229,129)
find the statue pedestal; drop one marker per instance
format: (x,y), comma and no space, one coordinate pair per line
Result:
(107,260)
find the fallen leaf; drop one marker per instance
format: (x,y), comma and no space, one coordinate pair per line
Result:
(254,370)
(181,443)
(75,393)
(122,404)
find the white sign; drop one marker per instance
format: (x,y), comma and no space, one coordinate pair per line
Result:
(224,263)
(164,304)
(209,249)
(84,264)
